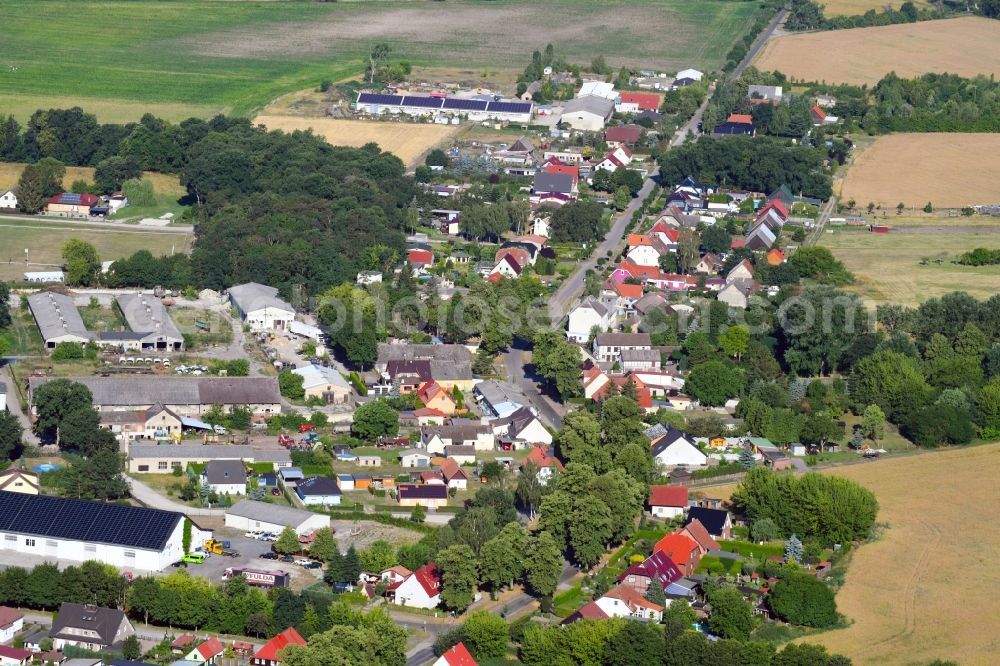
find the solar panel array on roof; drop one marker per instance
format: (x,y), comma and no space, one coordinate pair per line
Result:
(423,102)
(375,98)
(465,104)
(80,520)
(510,107)
(69,198)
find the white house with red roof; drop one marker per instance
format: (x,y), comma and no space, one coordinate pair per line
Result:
(208,652)
(669,236)
(620,157)
(508,267)
(421,589)
(594,380)
(11,623)
(642,250)
(457,655)
(667,501)
(396,574)
(624,601)
(634,102)
(268,654)
(12,656)
(547,463)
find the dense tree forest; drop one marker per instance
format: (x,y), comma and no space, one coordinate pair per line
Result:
(283,209)
(759,163)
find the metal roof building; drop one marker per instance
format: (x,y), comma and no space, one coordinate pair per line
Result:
(146,314)
(186,396)
(79,530)
(260,307)
(57,318)
(252,515)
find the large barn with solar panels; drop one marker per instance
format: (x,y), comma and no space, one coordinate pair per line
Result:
(61,528)
(420,105)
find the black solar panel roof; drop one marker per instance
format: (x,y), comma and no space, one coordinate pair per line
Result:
(465,104)
(510,107)
(424,102)
(96,522)
(376,98)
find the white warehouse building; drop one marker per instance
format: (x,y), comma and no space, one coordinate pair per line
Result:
(419,105)
(127,537)
(260,308)
(251,515)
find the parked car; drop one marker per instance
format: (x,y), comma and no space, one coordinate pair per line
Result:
(287,558)
(268,556)
(313,565)
(179,564)
(303,562)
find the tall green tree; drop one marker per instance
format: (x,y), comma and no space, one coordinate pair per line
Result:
(459,576)
(81,263)
(53,401)
(501,559)
(543,564)
(288,542)
(10,435)
(375,419)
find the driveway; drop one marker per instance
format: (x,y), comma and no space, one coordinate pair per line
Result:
(14,405)
(154,500)
(513,360)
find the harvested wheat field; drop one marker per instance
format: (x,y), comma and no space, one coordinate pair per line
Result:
(408,141)
(927,588)
(966,46)
(856,7)
(949,170)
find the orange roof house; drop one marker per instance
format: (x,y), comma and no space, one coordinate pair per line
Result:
(682,549)
(435,397)
(645,101)
(743,118)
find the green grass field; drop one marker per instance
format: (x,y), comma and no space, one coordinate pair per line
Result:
(44,239)
(913,262)
(199,57)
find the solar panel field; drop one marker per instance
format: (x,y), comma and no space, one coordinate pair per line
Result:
(201,57)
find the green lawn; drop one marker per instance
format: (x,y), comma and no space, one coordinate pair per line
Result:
(201,57)
(755,550)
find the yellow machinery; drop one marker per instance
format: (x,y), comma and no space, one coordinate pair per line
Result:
(213,547)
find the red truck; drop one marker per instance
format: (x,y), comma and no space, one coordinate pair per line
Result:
(306,427)
(259,577)
(285,440)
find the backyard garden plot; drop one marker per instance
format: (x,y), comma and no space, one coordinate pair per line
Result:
(965,46)
(203,57)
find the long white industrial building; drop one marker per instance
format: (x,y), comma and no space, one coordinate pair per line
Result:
(419,105)
(128,537)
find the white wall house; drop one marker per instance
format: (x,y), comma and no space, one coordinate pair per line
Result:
(587,316)
(676,450)
(421,589)
(8,199)
(11,624)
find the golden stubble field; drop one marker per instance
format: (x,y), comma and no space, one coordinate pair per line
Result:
(408,141)
(949,170)
(927,589)
(855,7)
(966,46)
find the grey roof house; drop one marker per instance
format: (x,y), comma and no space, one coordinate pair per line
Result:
(89,627)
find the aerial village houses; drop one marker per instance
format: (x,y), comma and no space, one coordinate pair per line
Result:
(324,383)
(421,589)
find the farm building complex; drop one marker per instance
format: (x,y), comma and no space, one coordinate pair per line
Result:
(79,530)
(151,328)
(260,308)
(476,109)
